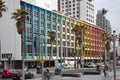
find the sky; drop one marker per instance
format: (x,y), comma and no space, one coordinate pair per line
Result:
(113,7)
(113,14)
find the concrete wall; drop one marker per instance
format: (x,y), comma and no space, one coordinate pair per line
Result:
(10,39)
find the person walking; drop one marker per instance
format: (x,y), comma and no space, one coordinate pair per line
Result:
(46,74)
(105,70)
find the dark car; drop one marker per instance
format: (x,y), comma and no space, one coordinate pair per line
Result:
(17,75)
(28,74)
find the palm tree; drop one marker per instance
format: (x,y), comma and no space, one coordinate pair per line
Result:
(19,16)
(108,40)
(52,38)
(76,31)
(107,45)
(3,7)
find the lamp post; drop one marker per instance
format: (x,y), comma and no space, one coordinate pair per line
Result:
(104,51)
(42,59)
(0,51)
(114,54)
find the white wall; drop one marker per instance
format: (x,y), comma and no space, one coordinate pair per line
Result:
(46,4)
(10,40)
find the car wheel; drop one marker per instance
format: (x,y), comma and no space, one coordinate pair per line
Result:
(3,77)
(32,76)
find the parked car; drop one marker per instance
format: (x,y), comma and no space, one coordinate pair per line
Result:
(8,73)
(17,75)
(28,74)
(85,65)
(91,65)
(118,63)
(100,64)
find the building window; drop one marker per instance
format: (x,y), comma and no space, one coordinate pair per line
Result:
(73,8)
(67,23)
(29,48)
(59,28)
(42,15)
(48,25)
(73,5)
(59,21)
(28,11)
(35,22)
(28,29)
(42,24)
(35,13)
(63,22)
(63,29)
(54,19)
(54,27)
(48,17)
(29,38)
(35,30)
(42,31)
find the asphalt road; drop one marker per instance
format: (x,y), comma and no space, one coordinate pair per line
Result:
(84,77)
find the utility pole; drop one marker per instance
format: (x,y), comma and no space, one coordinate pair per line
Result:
(104,50)
(0,51)
(114,55)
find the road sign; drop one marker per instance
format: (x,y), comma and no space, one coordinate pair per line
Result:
(42,61)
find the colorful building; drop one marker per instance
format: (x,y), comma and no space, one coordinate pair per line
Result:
(39,23)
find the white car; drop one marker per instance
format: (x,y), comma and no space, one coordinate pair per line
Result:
(91,65)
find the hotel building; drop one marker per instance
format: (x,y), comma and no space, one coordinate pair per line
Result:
(38,24)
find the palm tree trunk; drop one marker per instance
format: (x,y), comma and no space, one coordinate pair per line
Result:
(82,52)
(23,63)
(75,56)
(50,53)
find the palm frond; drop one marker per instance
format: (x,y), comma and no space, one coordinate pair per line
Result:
(19,16)
(52,35)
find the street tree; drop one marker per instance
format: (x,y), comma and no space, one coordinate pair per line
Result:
(19,16)
(52,38)
(77,30)
(3,7)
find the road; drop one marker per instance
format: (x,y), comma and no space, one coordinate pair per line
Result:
(84,77)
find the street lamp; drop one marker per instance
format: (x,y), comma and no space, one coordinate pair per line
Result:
(114,54)
(42,58)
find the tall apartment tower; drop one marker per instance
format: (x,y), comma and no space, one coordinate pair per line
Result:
(80,9)
(102,22)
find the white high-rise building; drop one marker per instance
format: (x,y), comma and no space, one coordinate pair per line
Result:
(50,5)
(80,9)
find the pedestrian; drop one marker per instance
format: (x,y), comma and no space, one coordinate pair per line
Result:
(105,70)
(98,68)
(47,74)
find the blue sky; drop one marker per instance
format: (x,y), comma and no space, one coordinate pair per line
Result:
(113,7)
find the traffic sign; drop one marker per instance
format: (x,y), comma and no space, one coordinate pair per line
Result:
(42,61)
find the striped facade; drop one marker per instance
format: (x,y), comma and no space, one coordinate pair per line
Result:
(38,24)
